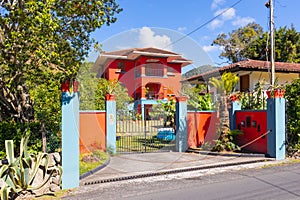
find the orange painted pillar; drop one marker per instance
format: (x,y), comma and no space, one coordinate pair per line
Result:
(165,93)
(143,92)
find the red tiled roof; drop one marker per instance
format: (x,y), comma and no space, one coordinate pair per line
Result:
(126,52)
(133,53)
(249,65)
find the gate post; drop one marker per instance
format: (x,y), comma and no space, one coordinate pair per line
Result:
(181,124)
(111,129)
(276,126)
(235,105)
(70,136)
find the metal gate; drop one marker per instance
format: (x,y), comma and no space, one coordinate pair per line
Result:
(138,135)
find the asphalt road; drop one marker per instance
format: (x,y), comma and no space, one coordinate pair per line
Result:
(278,182)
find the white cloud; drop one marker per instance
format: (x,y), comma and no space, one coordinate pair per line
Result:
(227,15)
(217,3)
(215,24)
(181,29)
(148,38)
(210,48)
(242,21)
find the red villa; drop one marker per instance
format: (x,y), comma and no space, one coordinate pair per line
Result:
(149,74)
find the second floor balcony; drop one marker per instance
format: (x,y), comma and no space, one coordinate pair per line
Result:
(150,71)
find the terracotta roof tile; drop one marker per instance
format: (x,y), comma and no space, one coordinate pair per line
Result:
(126,52)
(252,65)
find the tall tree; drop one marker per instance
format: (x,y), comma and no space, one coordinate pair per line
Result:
(41,41)
(236,42)
(287,46)
(251,42)
(88,86)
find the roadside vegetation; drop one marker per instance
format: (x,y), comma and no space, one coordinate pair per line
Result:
(293,118)
(90,161)
(42,44)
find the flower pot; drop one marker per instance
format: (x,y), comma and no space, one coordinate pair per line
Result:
(277,93)
(234,98)
(75,86)
(65,86)
(110,97)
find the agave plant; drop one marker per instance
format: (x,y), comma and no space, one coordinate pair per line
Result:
(19,174)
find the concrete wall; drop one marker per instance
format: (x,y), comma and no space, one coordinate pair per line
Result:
(92,130)
(253,124)
(282,78)
(201,128)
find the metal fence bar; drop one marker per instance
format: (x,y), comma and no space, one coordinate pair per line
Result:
(138,136)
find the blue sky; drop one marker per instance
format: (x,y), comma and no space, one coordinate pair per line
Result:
(161,23)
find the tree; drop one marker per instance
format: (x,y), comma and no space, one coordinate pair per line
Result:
(43,41)
(287,46)
(251,42)
(235,43)
(47,111)
(224,87)
(104,87)
(87,86)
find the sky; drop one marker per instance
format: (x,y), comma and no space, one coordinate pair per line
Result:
(189,27)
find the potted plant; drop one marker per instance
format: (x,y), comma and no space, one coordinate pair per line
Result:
(234,97)
(276,90)
(110,89)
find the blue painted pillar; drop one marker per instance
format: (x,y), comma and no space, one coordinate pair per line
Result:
(276,124)
(70,136)
(235,105)
(181,125)
(143,110)
(111,128)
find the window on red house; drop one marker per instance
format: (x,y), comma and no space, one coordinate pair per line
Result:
(121,67)
(171,71)
(154,69)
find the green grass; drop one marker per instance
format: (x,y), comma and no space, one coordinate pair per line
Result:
(285,162)
(140,144)
(85,166)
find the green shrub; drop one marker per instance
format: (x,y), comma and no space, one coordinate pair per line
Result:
(14,131)
(293,113)
(230,144)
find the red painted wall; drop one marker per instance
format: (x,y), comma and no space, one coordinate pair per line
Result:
(201,128)
(253,124)
(92,129)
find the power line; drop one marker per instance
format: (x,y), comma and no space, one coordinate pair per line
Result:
(206,23)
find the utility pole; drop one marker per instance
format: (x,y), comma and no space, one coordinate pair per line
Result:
(272,42)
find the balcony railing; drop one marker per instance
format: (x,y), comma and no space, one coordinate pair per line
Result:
(154,95)
(154,72)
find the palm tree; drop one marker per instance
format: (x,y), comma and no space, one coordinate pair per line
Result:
(224,87)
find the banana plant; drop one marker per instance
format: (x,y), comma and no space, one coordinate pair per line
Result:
(18,175)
